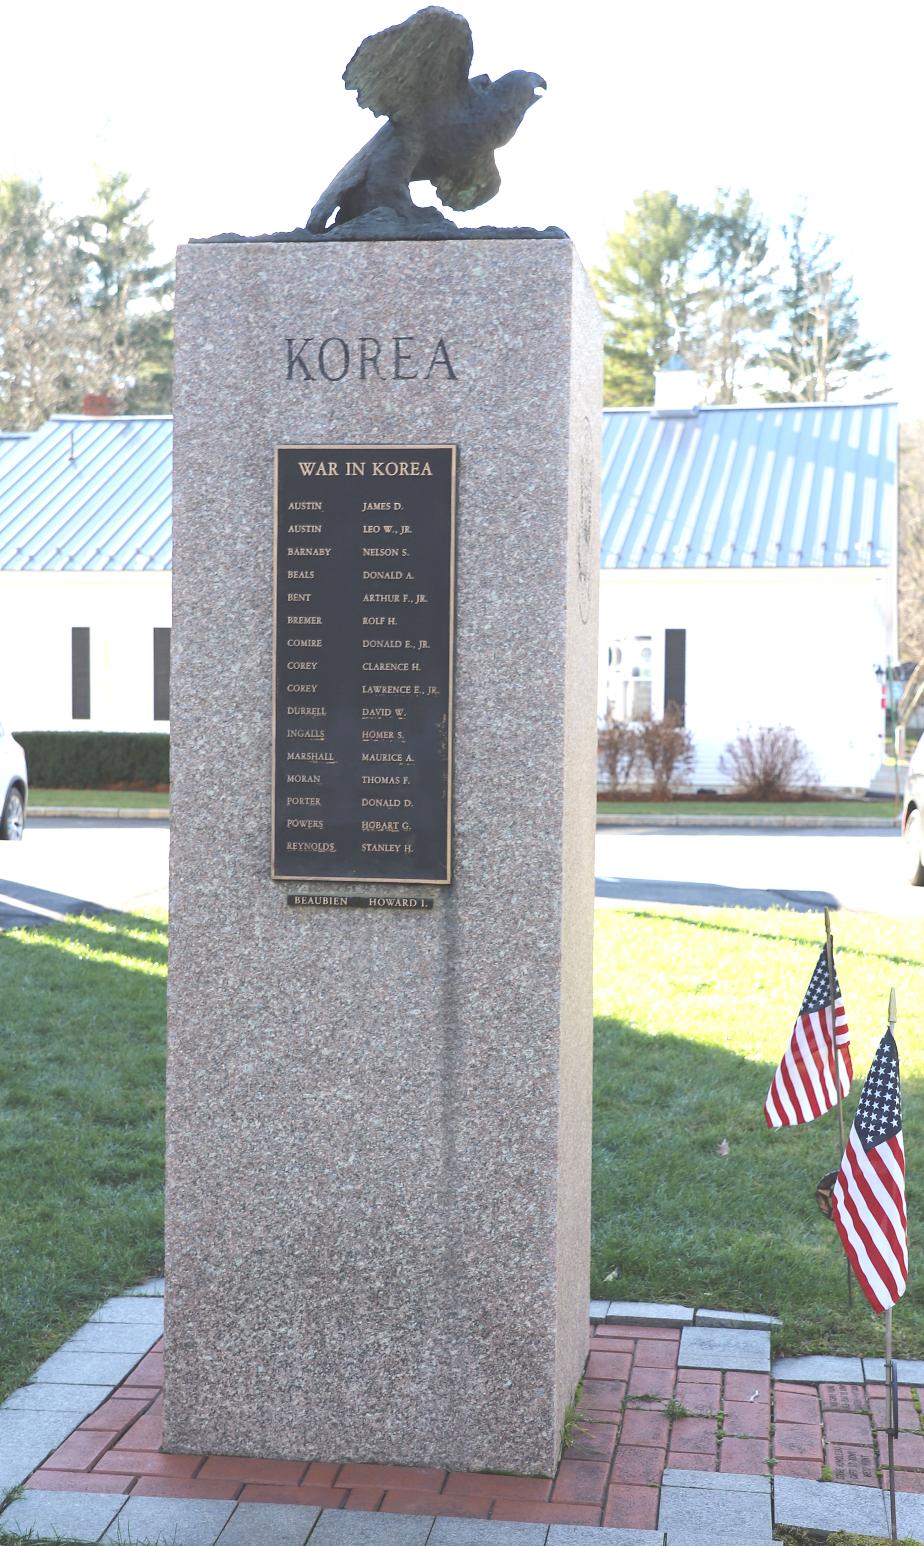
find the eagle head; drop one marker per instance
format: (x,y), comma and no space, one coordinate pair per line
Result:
(511,95)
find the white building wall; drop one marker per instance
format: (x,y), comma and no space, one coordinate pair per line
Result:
(769,647)
(38,609)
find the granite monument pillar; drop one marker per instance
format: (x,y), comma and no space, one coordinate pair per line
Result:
(379,1115)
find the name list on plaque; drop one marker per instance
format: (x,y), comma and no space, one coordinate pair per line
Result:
(363,635)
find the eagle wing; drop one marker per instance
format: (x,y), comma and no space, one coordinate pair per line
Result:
(412,65)
(471,183)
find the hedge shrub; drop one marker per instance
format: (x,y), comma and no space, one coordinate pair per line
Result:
(95,759)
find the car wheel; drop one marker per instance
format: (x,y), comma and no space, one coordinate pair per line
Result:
(914,837)
(13,818)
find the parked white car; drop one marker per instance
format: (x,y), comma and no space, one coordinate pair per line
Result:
(14,785)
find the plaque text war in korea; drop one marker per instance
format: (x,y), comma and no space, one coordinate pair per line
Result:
(363,619)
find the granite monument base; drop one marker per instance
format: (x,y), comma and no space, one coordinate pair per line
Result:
(378,1147)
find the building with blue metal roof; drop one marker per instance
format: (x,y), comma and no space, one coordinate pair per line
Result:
(85,552)
(88,493)
(749,572)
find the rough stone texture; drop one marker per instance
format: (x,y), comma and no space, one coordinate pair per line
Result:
(698,1538)
(830,1506)
(348,1527)
(78,1516)
(909,1511)
(834,1506)
(114,1337)
(627,1310)
(378,1145)
(486,1532)
(910,1370)
(713,1481)
(589,1535)
(269,1524)
(819,1370)
(714,1513)
(169,1522)
(742,1319)
(32,1434)
(140,1309)
(706,1347)
(77,1399)
(78,1366)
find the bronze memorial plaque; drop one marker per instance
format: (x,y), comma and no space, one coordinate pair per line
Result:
(362,663)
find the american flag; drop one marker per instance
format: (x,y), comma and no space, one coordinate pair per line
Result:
(869,1194)
(804,1086)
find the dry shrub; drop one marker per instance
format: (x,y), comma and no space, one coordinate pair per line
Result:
(769,764)
(667,748)
(619,746)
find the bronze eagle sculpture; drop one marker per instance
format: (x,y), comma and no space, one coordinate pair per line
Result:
(441,126)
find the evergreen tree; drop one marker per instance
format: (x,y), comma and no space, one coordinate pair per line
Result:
(819,344)
(128,316)
(42,347)
(82,307)
(911,542)
(735,305)
(646,293)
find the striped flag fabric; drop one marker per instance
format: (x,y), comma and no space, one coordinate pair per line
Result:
(868,1197)
(804,1086)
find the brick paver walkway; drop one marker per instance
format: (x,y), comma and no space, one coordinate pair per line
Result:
(639,1413)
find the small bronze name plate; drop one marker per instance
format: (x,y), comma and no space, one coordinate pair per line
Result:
(407,904)
(363,632)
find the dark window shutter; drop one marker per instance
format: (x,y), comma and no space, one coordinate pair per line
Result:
(80,673)
(161,673)
(675,670)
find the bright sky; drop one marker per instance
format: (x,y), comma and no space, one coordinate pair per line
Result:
(236,119)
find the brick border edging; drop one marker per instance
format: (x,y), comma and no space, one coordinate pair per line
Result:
(79,1513)
(85,1375)
(100,1356)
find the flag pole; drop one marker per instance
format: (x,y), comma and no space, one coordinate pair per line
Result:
(891,1381)
(890,1370)
(832,1022)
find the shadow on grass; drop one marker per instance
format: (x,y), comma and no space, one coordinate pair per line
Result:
(714,925)
(82,1016)
(675,1220)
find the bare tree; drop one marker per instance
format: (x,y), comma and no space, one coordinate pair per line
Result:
(619,746)
(768,764)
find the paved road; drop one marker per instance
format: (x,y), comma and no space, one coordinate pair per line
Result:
(63,867)
(859,871)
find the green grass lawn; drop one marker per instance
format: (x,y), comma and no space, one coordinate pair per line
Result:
(883,809)
(81,1125)
(839,1538)
(127,799)
(694,1008)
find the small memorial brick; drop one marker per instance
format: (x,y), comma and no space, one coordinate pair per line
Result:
(843,1398)
(853,1463)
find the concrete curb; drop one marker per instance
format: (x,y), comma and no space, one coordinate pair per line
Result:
(98,812)
(769,823)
